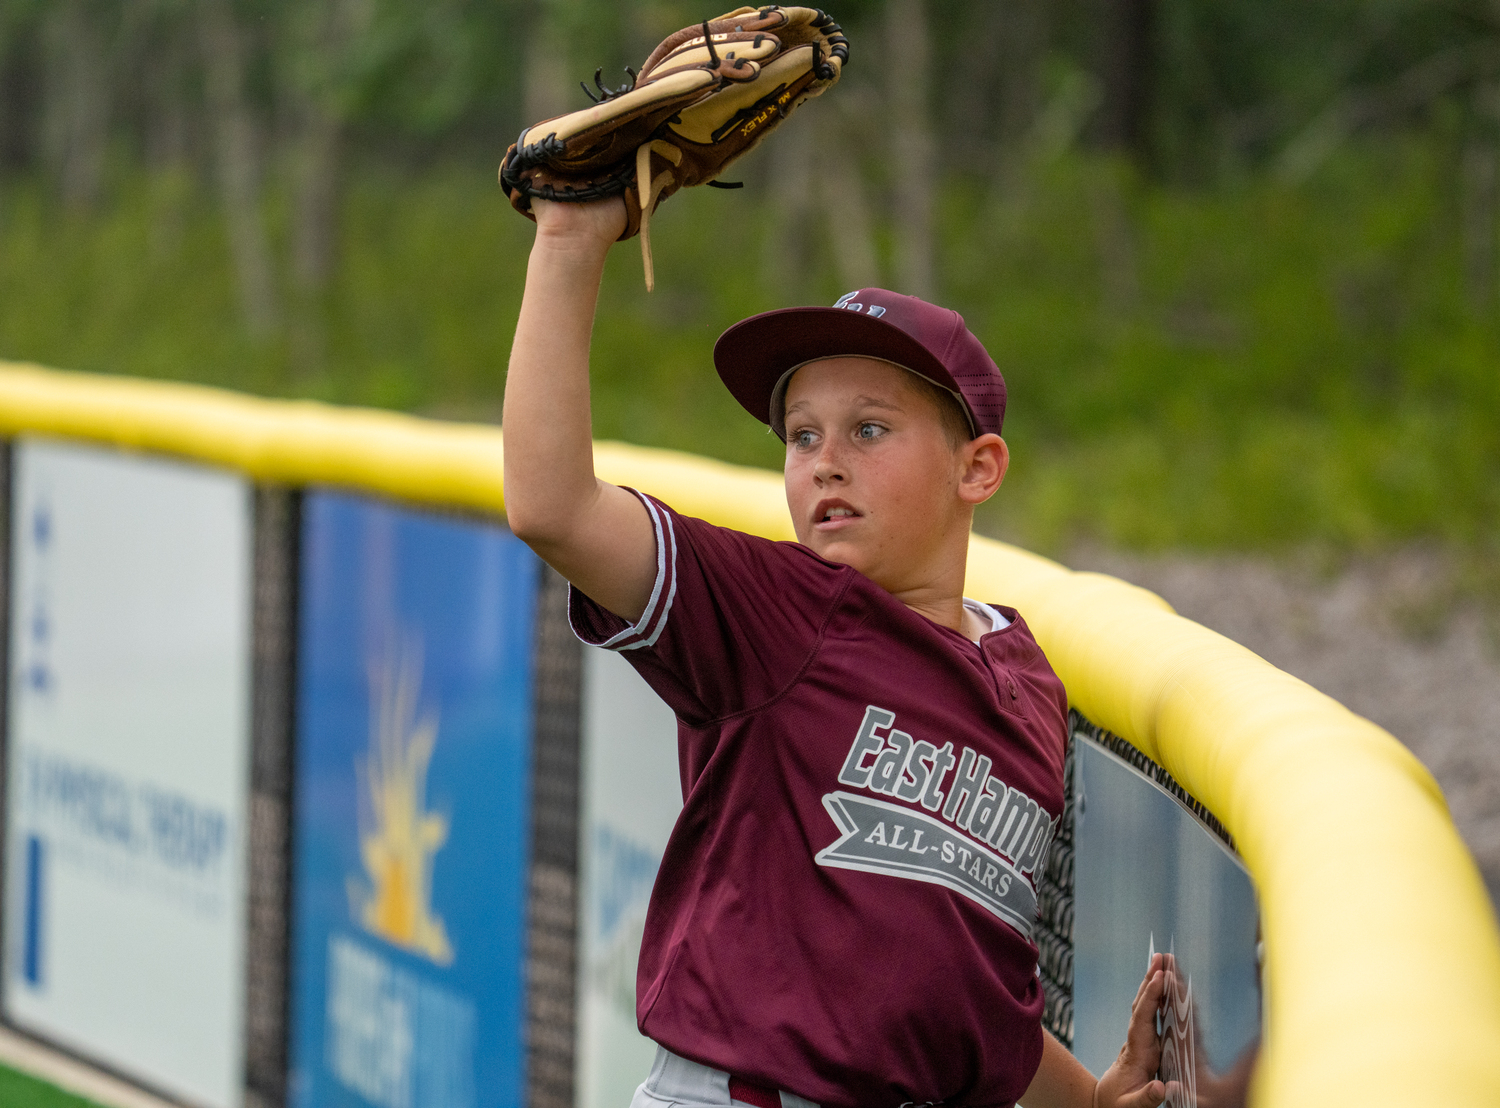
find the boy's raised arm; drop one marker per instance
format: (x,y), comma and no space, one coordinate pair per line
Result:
(595,534)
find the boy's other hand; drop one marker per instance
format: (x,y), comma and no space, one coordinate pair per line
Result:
(1131,1082)
(598,223)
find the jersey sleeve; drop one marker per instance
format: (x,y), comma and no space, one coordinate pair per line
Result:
(731,621)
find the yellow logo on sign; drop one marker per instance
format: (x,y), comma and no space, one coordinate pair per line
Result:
(398,835)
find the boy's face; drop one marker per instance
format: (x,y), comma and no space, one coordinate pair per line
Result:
(872,480)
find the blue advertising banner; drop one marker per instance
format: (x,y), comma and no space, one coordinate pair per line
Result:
(411,818)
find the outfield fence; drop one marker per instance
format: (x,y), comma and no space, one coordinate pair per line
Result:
(308,798)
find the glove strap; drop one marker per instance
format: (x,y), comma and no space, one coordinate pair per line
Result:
(648,188)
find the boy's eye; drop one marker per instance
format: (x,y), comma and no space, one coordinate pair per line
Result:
(802,439)
(870,430)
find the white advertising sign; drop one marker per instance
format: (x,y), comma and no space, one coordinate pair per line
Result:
(127,763)
(631,795)
(1150,877)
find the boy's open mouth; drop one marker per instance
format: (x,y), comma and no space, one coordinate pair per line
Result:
(829,511)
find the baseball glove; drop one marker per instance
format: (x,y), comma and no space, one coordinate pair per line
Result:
(705,96)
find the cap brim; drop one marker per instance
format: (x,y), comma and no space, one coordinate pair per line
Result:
(753,354)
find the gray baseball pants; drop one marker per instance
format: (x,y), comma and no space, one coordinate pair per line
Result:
(675,1082)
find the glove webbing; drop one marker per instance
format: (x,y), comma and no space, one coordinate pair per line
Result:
(621,177)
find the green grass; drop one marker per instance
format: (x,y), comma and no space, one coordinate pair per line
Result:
(1252,367)
(19,1090)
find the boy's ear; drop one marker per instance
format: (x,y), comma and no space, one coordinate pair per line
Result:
(985,461)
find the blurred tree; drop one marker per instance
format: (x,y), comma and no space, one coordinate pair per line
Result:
(317,64)
(16,86)
(169,117)
(1126,64)
(1481,184)
(168,97)
(997,85)
(842,124)
(77,66)
(317,74)
(790,192)
(913,147)
(551,84)
(238,158)
(281,102)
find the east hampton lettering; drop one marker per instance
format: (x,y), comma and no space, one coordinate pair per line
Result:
(974,801)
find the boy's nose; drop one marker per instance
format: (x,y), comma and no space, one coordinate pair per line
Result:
(827,469)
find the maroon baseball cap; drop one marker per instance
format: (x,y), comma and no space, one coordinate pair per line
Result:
(757,356)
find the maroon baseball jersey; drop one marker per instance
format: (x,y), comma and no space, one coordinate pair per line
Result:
(844,909)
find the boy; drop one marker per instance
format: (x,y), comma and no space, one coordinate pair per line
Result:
(871,763)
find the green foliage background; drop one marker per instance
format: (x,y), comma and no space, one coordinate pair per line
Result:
(1290,365)
(1260,325)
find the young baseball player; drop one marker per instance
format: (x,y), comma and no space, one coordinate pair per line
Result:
(871,763)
